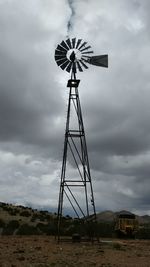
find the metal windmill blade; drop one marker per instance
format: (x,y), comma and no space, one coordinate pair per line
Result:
(78,43)
(79,67)
(73,42)
(61,61)
(69,43)
(61,48)
(83,64)
(69,67)
(83,44)
(64,45)
(83,49)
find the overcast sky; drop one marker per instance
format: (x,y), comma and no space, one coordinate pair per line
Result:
(115,101)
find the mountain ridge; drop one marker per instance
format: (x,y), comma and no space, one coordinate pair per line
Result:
(10,211)
(109,216)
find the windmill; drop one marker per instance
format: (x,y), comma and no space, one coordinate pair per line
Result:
(75,55)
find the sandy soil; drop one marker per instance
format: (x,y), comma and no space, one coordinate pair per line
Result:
(35,251)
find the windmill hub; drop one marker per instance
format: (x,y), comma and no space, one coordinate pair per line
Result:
(74,53)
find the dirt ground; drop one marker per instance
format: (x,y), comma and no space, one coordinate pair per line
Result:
(37,251)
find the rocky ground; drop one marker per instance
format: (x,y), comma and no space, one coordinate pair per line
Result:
(40,251)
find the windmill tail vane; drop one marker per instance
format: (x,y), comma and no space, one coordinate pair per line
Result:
(101,61)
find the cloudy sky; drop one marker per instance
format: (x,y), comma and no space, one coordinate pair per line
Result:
(115,101)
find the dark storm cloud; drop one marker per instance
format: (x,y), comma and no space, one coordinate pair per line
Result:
(28,97)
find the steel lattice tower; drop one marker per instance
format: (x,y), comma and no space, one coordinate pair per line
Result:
(73,55)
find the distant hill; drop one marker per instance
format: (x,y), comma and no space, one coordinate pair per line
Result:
(145,219)
(106,216)
(23,220)
(110,216)
(23,214)
(20,220)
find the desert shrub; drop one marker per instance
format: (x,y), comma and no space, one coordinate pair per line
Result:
(48,229)
(68,217)
(45,215)
(117,246)
(2,204)
(143,233)
(25,213)
(7,231)
(13,224)
(7,208)
(10,227)
(39,217)
(105,229)
(33,219)
(43,212)
(13,212)
(48,217)
(26,229)
(20,206)
(2,223)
